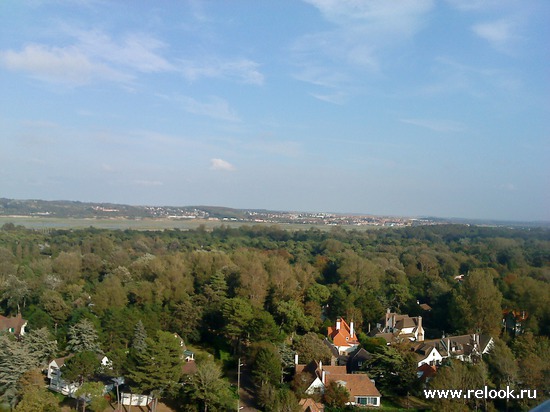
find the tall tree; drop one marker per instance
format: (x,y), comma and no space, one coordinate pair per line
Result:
(207,387)
(83,337)
(15,360)
(477,304)
(40,345)
(158,365)
(140,337)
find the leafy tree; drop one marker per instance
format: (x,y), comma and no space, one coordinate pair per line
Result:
(92,392)
(262,327)
(394,370)
(336,395)
(207,387)
(291,317)
(477,304)
(16,291)
(310,347)
(81,367)
(37,399)
(83,337)
(157,368)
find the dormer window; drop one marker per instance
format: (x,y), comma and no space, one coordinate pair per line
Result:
(347,338)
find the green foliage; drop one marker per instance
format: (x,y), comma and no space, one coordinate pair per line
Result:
(83,337)
(266,364)
(207,387)
(80,367)
(157,368)
(37,399)
(311,347)
(336,395)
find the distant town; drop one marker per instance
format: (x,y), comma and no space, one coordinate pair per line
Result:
(87,210)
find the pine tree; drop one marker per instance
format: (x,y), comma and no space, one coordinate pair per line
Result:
(15,360)
(40,345)
(140,335)
(83,337)
(158,366)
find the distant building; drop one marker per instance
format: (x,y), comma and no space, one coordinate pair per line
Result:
(343,336)
(15,325)
(393,327)
(513,321)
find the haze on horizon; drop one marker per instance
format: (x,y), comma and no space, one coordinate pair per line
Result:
(406,108)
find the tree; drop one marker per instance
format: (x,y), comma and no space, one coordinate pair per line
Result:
(92,392)
(336,395)
(237,314)
(310,347)
(394,370)
(157,367)
(266,364)
(81,367)
(477,304)
(40,345)
(15,292)
(83,337)
(15,360)
(37,399)
(140,336)
(207,387)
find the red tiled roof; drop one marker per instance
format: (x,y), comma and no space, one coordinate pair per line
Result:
(342,336)
(15,323)
(357,384)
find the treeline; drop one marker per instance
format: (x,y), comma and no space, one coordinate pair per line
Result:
(256,290)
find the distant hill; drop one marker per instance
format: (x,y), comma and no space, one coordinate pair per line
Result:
(89,210)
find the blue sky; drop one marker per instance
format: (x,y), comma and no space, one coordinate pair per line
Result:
(408,107)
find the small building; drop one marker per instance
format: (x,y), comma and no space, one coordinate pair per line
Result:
(362,390)
(15,324)
(343,336)
(393,327)
(513,321)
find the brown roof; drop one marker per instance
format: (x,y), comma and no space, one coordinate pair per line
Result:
(16,323)
(309,405)
(357,384)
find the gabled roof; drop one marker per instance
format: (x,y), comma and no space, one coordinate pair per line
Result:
(357,384)
(16,323)
(309,405)
(342,336)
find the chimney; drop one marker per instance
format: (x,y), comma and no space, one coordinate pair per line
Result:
(420,330)
(351,330)
(296,359)
(338,324)
(323,377)
(321,365)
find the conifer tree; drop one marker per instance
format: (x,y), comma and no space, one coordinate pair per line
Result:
(15,360)
(140,335)
(83,337)
(40,345)
(158,367)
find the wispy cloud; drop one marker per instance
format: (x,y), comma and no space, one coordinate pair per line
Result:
(500,34)
(148,183)
(215,107)
(436,125)
(242,70)
(220,164)
(362,30)
(68,65)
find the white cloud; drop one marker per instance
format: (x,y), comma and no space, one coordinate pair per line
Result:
(220,164)
(215,107)
(362,31)
(59,65)
(242,70)
(498,33)
(148,183)
(443,126)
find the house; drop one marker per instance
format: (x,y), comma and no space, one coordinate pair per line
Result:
(426,372)
(309,405)
(513,321)
(394,326)
(426,354)
(57,383)
(467,348)
(362,390)
(343,336)
(186,353)
(357,360)
(15,324)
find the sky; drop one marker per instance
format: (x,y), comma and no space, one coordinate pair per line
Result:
(404,107)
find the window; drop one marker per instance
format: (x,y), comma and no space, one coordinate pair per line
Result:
(366,400)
